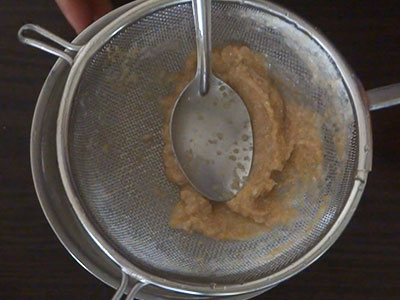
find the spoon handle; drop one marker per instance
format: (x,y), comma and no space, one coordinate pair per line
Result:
(202,22)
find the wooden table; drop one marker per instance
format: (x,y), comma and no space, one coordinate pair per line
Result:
(363,264)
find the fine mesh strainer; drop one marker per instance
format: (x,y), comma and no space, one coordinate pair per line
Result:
(114,177)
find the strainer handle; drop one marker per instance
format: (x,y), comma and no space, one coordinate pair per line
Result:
(46,47)
(384,96)
(122,287)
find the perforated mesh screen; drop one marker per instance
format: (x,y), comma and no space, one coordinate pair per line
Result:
(119,174)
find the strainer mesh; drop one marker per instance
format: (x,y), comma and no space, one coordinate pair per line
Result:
(115,143)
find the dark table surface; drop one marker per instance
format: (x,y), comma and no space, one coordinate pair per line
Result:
(363,264)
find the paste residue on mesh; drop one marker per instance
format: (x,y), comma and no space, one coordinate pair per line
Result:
(288,154)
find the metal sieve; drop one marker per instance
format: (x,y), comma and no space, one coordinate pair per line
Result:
(114,177)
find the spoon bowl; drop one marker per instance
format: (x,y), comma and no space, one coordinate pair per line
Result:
(212,139)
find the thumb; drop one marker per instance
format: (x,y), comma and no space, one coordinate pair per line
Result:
(81,13)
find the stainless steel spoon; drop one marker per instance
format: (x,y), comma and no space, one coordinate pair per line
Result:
(210,127)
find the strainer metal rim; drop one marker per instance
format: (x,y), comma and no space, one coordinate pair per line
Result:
(363,160)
